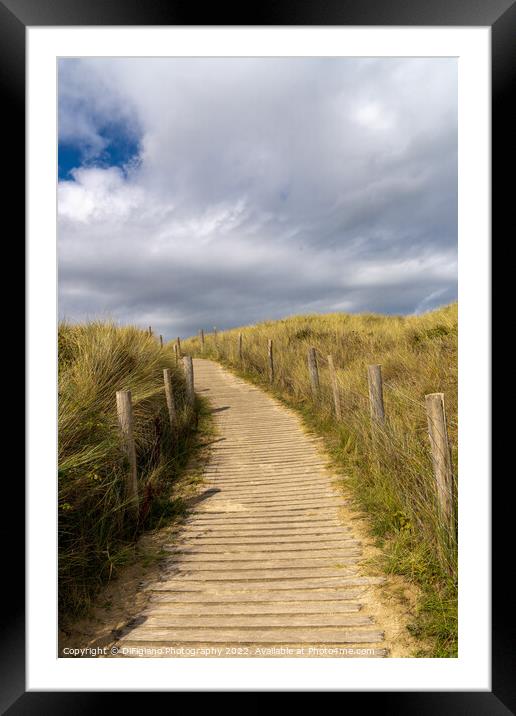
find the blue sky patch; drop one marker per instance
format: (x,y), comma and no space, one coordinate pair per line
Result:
(120,148)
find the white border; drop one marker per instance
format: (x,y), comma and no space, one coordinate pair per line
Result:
(471,671)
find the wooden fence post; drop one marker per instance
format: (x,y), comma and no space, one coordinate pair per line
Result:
(313,371)
(178,343)
(374,379)
(169,394)
(441,457)
(240,351)
(335,388)
(270,360)
(175,353)
(161,340)
(202,340)
(150,330)
(124,409)
(189,375)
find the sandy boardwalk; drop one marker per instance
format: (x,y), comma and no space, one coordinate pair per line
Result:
(265,565)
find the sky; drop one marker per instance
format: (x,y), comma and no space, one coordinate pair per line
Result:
(202,192)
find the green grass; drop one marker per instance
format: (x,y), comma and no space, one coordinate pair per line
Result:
(389,475)
(96,531)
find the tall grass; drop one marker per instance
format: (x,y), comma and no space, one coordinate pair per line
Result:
(389,474)
(96,532)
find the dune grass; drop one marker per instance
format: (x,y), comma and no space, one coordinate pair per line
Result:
(96,531)
(389,474)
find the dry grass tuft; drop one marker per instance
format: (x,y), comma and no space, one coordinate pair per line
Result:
(96,535)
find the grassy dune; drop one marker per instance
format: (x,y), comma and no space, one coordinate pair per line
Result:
(390,477)
(96,535)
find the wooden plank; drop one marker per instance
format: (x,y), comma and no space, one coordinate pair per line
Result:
(327,515)
(261,536)
(226,505)
(293,540)
(177,584)
(214,546)
(255,499)
(258,608)
(284,635)
(186,573)
(301,559)
(222,483)
(253,597)
(283,463)
(286,511)
(250,448)
(270,501)
(220,500)
(267,475)
(283,564)
(253,489)
(256,526)
(293,488)
(265,535)
(255,621)
(242,519)
(253,521)
(243,531)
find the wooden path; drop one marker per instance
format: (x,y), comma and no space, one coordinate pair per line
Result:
(264,564)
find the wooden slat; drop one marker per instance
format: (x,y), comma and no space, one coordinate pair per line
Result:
(184,585)
(257,608)
(204,553)
(202,563)
(253,596)
(239,518)
(239,635)
(244,531)
(218,547)
(255,621)
(185,572)
(333,540)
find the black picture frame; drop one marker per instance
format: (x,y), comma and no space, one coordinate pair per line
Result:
(500,15)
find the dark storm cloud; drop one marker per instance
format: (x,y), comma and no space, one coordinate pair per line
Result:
(262,188)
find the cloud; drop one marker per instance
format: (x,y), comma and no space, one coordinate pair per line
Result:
(98,195)
(261,188)
(92,109)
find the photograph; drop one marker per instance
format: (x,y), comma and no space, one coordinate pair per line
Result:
(258,310)
(258,431)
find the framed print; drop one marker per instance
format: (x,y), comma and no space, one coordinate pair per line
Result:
(258,255)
